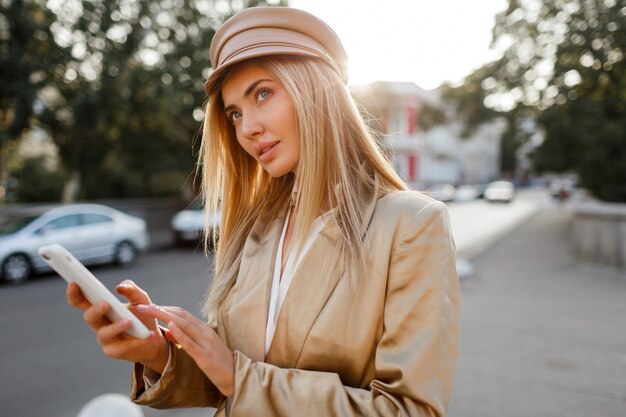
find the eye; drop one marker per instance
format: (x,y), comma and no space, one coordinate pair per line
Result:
(263,94)
(233,116)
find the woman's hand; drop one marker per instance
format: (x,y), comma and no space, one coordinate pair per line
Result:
(153,352)
(200,341)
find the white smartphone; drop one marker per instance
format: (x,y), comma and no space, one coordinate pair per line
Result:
(70,268)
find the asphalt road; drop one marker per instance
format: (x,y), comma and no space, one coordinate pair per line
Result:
(50,361)
(542,334)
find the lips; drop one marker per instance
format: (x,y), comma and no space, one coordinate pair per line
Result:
(262,148)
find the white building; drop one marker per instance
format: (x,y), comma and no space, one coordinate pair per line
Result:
(480,159)
(439,155)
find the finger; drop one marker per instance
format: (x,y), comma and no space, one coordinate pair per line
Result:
(133,292)
(128,348)
(117,330)
(75,297)
(189,343)
(187,321)
(94,316)
(108,333)
(169,336)
(155,311)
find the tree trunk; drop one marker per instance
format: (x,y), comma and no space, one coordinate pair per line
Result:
(3,179)
(71,188)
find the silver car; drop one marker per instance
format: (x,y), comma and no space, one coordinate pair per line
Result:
(92,232)
(188,224)
(500,192)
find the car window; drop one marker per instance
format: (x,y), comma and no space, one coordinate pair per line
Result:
(63,222)
(93,218)
(13,225)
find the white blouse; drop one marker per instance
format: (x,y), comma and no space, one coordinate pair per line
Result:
(281,286)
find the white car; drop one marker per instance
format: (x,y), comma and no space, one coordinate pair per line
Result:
(466,193)
(500,192)
(92,232)
(188,224)
(442,192)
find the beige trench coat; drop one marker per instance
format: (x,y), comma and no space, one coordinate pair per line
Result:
(386,347)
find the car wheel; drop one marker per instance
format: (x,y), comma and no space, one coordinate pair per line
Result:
(125,254)
(16,268)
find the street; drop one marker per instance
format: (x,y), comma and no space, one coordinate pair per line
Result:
(540,333)
(50,360)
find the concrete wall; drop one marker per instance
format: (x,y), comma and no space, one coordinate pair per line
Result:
(599,232)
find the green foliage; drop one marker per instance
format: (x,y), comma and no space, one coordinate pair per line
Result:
(588,122)
(119,86)
(581,136)
(431,116)
(36,182)
(563,64)
(467,101)
(28,55)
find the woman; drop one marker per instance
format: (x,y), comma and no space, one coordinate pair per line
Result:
(335,290)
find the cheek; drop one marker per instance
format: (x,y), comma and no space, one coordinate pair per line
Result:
(246,145)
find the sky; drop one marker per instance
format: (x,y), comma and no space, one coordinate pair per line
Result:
(423,41)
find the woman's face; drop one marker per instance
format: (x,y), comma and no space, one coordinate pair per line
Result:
(265,122)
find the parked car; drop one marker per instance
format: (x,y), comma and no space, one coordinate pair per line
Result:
(93,233)
(466,193)
(562,189)
(188,224)
(500,192)
(443,192)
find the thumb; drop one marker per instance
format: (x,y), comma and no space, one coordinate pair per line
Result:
(135,295)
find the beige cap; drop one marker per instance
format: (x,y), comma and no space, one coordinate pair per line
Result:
(264,31)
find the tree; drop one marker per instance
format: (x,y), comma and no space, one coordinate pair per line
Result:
(28,60)
(563,65)
(36,181)
(565,58)
(468,102)
(125,102)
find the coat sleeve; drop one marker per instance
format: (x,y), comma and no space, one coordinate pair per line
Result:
(182,384)
(415,357)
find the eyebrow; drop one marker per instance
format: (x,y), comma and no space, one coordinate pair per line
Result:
(246,93)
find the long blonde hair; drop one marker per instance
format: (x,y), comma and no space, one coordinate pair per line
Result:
(340,166)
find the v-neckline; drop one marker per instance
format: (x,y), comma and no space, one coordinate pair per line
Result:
(282,250)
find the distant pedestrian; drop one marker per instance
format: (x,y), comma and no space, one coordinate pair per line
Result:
(335,289)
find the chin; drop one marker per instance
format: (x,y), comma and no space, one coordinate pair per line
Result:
(278,170)
(277,173)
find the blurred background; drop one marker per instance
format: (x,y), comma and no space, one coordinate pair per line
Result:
(510,111)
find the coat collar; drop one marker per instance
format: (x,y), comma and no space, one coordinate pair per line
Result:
(313,283)
(247,303)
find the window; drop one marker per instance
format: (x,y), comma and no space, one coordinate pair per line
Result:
(92,218)
(63,222)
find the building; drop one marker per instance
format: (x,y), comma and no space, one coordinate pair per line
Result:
(426,156)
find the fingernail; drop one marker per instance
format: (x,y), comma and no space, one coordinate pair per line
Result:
(142,307)
(102,307)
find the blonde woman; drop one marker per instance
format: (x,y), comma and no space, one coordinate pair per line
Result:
(335,291)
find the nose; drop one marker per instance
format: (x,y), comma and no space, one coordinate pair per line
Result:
(251,125)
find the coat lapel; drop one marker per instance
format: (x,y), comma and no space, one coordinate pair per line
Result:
(314,281)
(249,298)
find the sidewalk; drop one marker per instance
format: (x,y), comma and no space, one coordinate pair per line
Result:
(541,335)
